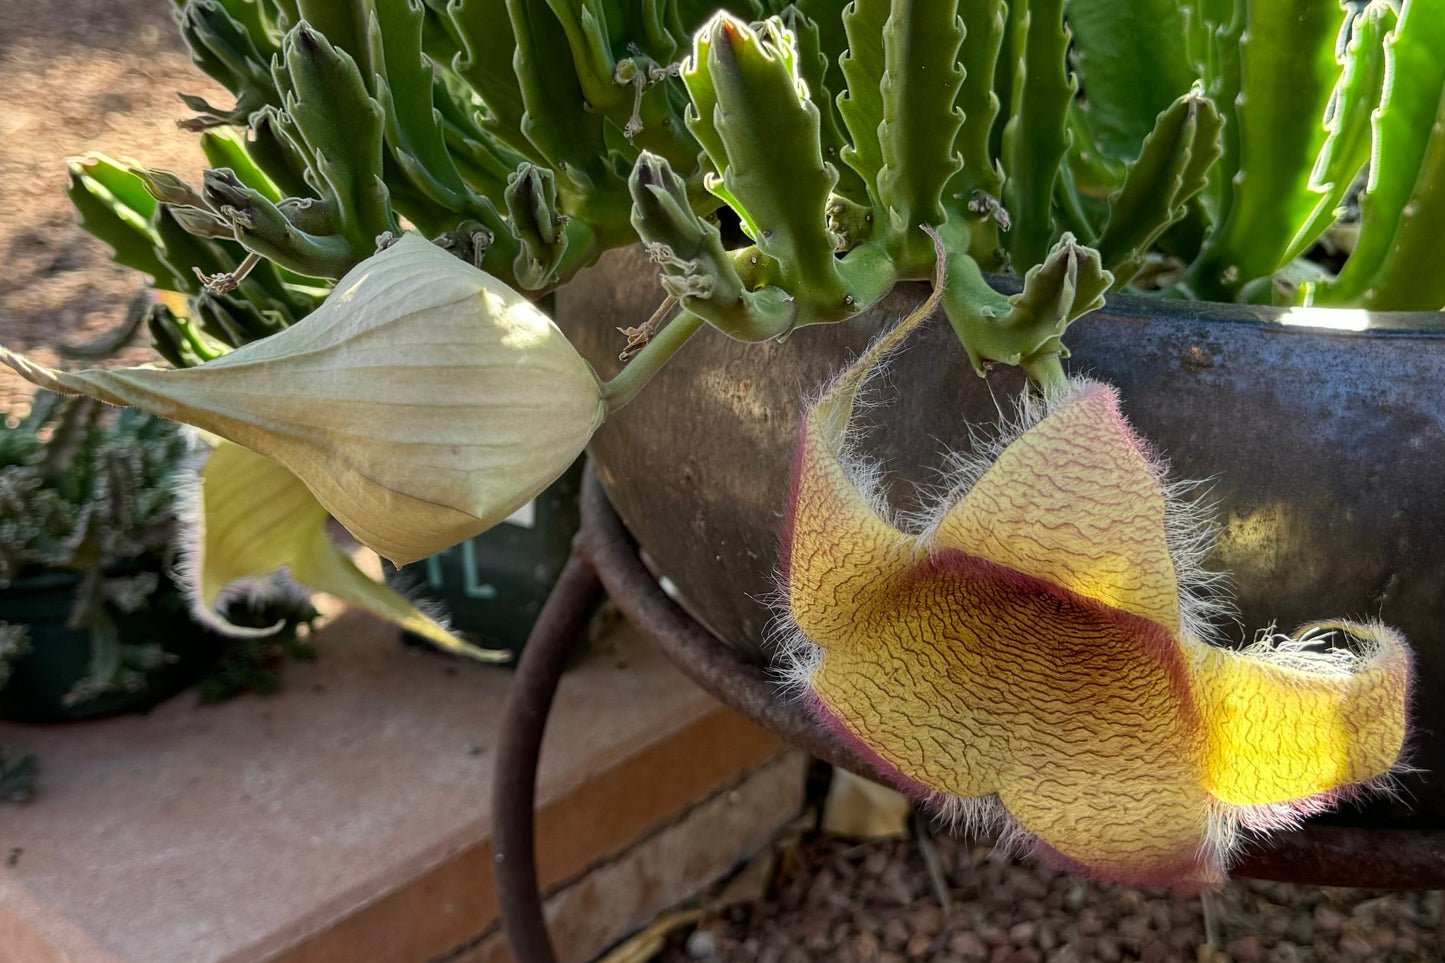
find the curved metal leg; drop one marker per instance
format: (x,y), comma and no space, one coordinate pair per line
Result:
(745,687)
(514,784)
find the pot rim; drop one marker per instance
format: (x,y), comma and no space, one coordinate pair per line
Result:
(1316,320)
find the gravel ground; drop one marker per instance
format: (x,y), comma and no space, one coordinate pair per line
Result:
(876,903)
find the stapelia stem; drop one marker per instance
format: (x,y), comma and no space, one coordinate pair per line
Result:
(1047,374)
(639,371)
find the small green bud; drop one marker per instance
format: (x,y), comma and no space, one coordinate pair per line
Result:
(202,222)
(531,198)
(167,186)
(689,249)
(695,267)
(262,227)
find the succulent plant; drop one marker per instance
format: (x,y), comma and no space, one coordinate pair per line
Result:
(101,494)
(1196,147)
(783,164)
(90,494)
(1200,147)
(80,491)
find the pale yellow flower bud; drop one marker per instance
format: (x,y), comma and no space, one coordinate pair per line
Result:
(424,402)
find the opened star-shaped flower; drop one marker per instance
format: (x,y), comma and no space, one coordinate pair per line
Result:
(1033,656)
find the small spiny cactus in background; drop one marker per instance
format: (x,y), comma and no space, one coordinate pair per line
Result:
(87,493)
(81,491)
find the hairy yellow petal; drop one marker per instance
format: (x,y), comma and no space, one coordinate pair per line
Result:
(839,555)
(985,680)
(255,517)
(1284,724)
(424,402)
(1075,502)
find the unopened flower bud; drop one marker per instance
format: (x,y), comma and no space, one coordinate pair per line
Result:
(424,402)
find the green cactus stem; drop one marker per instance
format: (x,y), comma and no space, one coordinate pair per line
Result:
(762,132)
(921,80)
(342,128)
(980,176)
(1035,139)
(861,102)
(1394,261)
(1347,148)
(224,47)
(1026,329)
(1171,168)
(1290,68)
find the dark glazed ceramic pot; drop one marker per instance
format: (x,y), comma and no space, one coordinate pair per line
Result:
(1324,451)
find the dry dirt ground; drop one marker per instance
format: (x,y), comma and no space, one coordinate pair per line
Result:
(77,76)
(82,75)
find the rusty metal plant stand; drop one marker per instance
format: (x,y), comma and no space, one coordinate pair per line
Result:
(604,557)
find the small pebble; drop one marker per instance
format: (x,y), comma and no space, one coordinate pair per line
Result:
(968,945)
(895,934)
(1106,949)
(1301,929)
(927,919)
(1246,949)
(702,944)
(1134,928)
(1328,918)
(919,946)
(1156,951)
(1382,940)
(1355,946)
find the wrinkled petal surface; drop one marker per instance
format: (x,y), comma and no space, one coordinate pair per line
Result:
(1028,646)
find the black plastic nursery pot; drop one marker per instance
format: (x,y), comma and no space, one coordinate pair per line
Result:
(1319,435)
(59,655)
